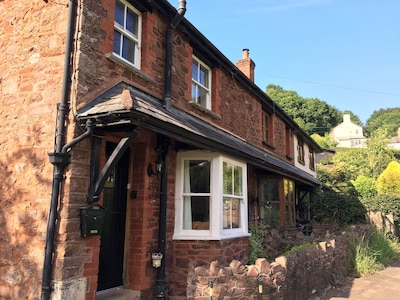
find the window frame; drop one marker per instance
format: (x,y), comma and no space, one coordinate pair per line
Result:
(207,88)
(300,152)
(311,160)
(127,34)
(267,128)
(216,230)
(289,143)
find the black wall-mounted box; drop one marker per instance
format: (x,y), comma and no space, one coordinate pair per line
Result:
(92,220)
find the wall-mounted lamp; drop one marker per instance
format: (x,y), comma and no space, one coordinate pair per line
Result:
(156,258)
(158,167)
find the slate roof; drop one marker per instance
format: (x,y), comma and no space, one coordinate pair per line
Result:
(124,104)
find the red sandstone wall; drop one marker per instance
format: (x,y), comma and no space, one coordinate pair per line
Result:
(236,110)
(32,36)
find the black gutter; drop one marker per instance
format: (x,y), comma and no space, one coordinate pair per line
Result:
(60,157)
(168,53)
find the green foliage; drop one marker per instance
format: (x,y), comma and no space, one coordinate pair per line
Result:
(311,114)
(365,186)
(371,252)
(299,247)
(324,142)
(256,247)
(348,163)
(378,155)
(388,119)
(343,207)
(386,204)
(389,180)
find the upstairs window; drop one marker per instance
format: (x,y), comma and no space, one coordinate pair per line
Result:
(288,143)
(211,197)
(311,158)
(201,84)
(300,152)
(127,23)
(267,128)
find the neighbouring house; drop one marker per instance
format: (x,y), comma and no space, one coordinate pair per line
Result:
(348,134)
(132,147)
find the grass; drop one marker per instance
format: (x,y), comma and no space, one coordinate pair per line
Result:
(371,252)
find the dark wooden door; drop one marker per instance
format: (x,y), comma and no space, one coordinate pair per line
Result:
(113,235)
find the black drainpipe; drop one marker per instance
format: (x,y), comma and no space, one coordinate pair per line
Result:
(60,157)
(168,53)
(162,226)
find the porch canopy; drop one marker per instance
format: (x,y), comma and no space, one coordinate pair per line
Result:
(124,105)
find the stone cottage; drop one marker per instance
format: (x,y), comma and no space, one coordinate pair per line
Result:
(348,134)
(130,148)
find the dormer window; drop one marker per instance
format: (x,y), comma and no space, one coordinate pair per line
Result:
(201,84)
(127,31)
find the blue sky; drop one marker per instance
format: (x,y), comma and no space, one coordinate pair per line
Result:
(344,52)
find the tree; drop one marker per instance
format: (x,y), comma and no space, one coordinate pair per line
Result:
(311,114)
(378,154)
(387,119)
(389,181)
(324,142)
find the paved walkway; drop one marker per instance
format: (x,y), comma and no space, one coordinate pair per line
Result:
(383,285)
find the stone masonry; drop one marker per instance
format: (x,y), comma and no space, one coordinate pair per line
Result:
(295,276)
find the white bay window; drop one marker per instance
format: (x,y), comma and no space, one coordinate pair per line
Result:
(211,197)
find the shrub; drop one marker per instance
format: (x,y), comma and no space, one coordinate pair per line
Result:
(388,181)
(256,242)
(386,204)
(365,186)
(342,207)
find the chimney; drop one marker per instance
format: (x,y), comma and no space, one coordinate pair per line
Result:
(246,65)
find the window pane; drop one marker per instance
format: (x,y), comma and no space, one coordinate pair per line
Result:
(132,22)
(269,190)
(235,213)
(228,179)
(270,214)
(117,42)
(226,213)
(197,176)
(269,202)
(231,213)
(203,76)
(119,13)
(128,49)
(195,71)
(238,187)
(203,97)
(195,93)
(196,212)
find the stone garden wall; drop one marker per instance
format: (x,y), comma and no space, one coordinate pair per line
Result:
(298,275)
